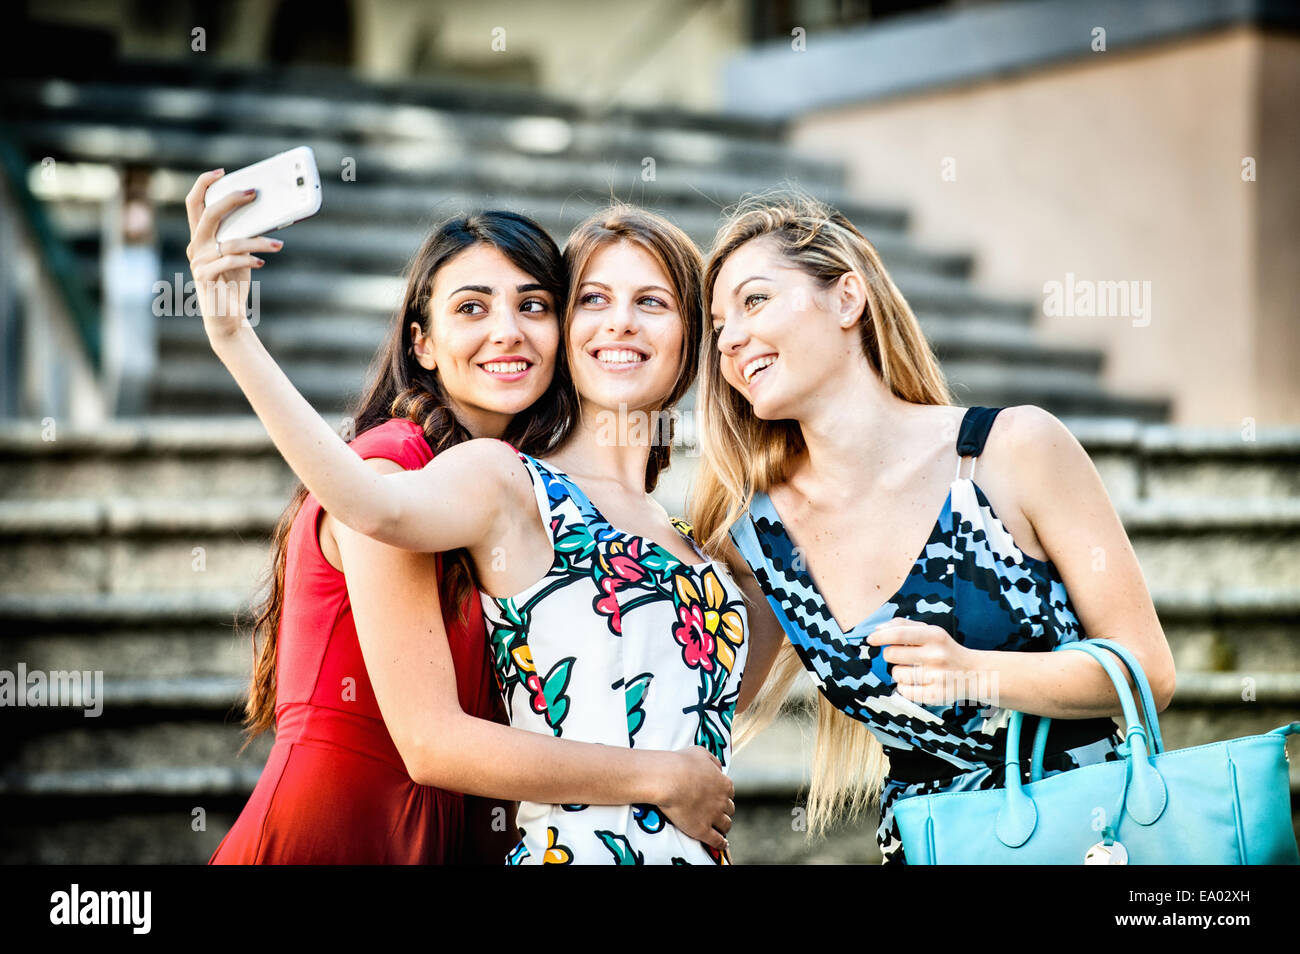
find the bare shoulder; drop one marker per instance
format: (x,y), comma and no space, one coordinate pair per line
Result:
(1031,433)
(484,450)
(496,464)
(1046,457)
(484,473)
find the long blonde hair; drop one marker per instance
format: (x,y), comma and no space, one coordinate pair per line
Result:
(742,455)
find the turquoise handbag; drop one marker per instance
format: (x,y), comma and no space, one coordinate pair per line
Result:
(1225,803)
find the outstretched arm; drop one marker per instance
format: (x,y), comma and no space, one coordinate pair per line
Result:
(395,604)
(443,507)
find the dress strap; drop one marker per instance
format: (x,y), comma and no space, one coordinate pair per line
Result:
(685,529)
(975,426)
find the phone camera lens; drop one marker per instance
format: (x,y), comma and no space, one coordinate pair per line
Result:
(301,181)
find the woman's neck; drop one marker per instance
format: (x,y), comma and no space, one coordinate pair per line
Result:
(609,446)
(480,424)
(852,429)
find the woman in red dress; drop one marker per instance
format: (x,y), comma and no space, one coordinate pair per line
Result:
(368,718)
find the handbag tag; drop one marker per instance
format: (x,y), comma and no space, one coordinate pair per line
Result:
(1104,854)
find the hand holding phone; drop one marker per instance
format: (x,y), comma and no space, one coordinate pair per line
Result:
(288,191)
(222,270)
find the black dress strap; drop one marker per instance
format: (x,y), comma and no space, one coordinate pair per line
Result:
(975,426)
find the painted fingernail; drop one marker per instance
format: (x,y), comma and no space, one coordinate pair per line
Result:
(277,243)
(217,171)
(259,262)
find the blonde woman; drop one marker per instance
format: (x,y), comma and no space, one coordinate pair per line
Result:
(924,604)
(605,623)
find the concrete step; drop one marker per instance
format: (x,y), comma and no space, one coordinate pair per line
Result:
(390,245)
(167,745)
(339,85)
(119,831)
(155,457)
(422,204)
(1136,460)
(379,228)
(373,119)
(200,384)
(412,162)
(168,635)
(134,545)
(1164,462)
(1063,391)
(1199,545)
(1241,628)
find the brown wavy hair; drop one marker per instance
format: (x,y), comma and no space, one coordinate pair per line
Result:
(682,262)
(400,387)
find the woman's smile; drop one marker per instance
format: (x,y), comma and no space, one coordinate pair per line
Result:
(508,368)
(619,359)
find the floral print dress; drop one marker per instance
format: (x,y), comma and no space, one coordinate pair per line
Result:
(622,644)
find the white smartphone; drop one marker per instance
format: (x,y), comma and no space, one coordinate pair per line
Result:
(288,191)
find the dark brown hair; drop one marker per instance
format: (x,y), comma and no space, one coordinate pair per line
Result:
(402,388)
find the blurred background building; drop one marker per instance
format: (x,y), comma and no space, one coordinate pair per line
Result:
(1092,206)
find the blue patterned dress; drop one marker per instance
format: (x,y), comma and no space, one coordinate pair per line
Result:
(622,644)
(971,579)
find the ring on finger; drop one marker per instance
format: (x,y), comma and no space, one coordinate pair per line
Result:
(218,248)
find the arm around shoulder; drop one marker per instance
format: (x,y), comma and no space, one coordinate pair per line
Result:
(459,499)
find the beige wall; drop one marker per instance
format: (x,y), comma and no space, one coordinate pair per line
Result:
(1122,167)
(1277,270)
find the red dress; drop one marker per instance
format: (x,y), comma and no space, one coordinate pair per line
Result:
(334,789)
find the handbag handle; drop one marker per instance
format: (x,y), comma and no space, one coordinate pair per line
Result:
(1144,794)
(1144,692)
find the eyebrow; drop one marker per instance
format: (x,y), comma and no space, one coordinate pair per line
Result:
(643,288)
(486,290)
(714,319)
(751,278)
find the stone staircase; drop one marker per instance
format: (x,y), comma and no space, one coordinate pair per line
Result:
(132,549)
